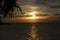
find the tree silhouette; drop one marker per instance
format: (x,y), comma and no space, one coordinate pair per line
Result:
(8,6)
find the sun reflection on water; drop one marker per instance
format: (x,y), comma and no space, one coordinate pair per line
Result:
(33,34)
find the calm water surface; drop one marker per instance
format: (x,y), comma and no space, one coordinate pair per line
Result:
(30,31)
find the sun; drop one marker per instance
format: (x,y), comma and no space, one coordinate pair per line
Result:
(33,15)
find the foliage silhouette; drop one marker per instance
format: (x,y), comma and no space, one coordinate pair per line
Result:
(8,6)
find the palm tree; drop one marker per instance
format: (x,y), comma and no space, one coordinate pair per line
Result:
(9,7)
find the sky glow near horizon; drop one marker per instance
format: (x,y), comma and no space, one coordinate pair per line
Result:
(34,5)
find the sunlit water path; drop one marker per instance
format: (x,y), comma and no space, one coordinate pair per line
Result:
(33,33)
(30,31)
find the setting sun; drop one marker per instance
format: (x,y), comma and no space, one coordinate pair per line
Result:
(33,15)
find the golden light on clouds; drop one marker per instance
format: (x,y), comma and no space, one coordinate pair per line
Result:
(33,15)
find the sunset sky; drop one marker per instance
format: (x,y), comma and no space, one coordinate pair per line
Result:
(41,5)
(41,8)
